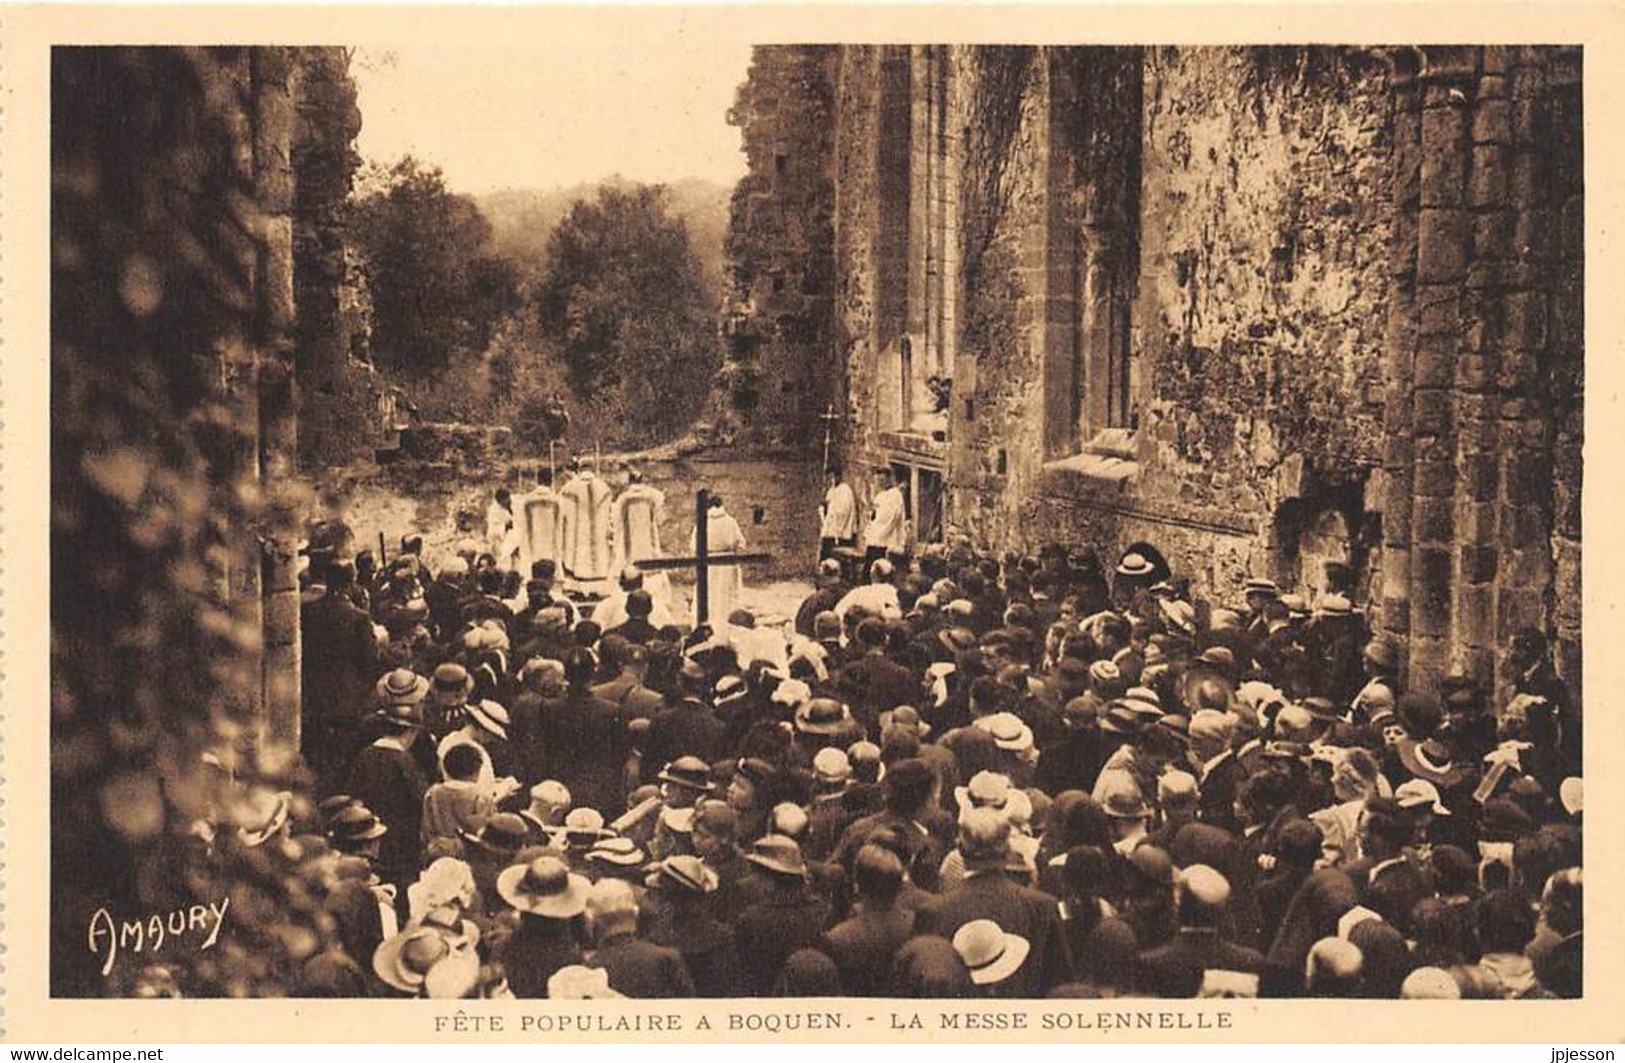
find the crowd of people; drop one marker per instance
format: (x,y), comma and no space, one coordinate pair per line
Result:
(949,775)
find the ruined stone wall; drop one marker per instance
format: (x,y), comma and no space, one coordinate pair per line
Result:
(174,615)
(1481,521)
(1274,307)
(339,409)
(777,374)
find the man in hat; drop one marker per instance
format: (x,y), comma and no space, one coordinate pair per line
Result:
(787,917)
(1219,774)
(1178,968)
(548,898)
(680,890)
(637,967)
(989,892)
(1380,663)
(887,531)
(337,664)
(828,814)
(387,778)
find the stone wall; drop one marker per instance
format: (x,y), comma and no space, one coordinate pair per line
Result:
(1265,308)
(776,376)
(445,501)
(175,511)
(1486,356)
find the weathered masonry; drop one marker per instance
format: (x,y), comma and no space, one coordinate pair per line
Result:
(1263,308)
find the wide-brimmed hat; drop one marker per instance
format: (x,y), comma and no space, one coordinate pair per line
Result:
(907,715)
(1296,605)
(823,716)
(988,952)
(354,823)
(406,960)
(504,832)
(401,715)
(1135,565)
(1431,760)
(402,686)
(677,820)
(792,693)
(1334,605)
(1419,793)
(1321,709)
(583,828)
(1260,585)
(987,789)
(622,852)
(775,852)
(1008,732)
(580,983)
(753,770)
(490,716)
(832,765)
(686,873)
(956,640)
(1123,800)
(1181,615)
(545,887)
(1120,718)
(691,773)
(1105,673)
(451,677)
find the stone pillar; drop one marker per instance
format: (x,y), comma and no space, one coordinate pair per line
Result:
(273,117)
(1444,250)
(1567,338)
(1405,193)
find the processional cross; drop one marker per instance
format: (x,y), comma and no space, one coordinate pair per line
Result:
(702,559)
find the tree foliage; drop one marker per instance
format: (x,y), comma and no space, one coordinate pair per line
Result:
(624,302)
(437,286)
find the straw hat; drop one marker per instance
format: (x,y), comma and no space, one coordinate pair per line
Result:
(544,887)
(990,954)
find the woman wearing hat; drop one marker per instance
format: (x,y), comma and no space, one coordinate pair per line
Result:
(787,915)
(550,901)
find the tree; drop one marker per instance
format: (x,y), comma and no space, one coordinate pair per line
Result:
(624,301)
(437,287)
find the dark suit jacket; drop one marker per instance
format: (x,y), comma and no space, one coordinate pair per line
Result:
(783,921)
(635,700)
(685,729)
(1217,801)
(872,684)
(339,662)
(1017,909)
(707,947)
(642,969)
(1175,969)
(863,946)
(583,744)
(534,953)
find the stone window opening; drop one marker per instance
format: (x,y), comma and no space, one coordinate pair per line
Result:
(1093,250)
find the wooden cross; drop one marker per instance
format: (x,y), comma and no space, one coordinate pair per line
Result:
(702,559)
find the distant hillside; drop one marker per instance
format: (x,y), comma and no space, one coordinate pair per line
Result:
(523,218)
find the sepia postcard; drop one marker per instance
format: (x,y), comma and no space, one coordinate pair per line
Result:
(784,524)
